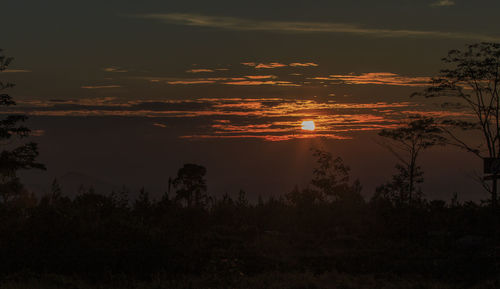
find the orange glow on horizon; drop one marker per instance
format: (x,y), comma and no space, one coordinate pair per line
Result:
(308,125)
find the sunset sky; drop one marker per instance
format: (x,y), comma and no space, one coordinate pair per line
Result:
(125,92)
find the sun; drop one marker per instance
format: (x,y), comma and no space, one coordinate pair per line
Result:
(308,125)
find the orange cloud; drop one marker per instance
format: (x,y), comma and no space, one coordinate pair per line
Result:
(438,114)
(307,64)
(284,137)
(270,65)
(222,121)
(114,69)
(159,125)
(261,76)
(15,71)
(372,78)
(100,86)
(199,70)
(321,78)
(257,82)
(187,82)
(380,78)
(270,119)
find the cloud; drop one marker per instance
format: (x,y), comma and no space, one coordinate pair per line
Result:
(321,78)
(15,71)
(249,80)
(268,137)
(191,82)
(270,65)
(199,70)
(271,119)
(259,82)
(443,3)
(114,69)
(298,64)
(159,125)
(371,78)
(377,78)
(240,24)
(100,86)
(261,76)
(264,65)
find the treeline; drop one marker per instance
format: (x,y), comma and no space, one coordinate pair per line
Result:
(325,227)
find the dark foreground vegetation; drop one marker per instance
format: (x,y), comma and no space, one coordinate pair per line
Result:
(324,236)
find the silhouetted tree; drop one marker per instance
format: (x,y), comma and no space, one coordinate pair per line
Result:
(406,143)
(56,190)
(191,185)
(143,201)
(13,158)
(304,197)
(242,201)
(473,76)
(331,179)
(397,191)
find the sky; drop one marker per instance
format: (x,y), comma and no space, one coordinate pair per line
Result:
(124,92)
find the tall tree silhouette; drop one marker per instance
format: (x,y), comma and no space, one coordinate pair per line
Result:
(332,180)
(191,185)
(14,156)
(473,76)
(406,143)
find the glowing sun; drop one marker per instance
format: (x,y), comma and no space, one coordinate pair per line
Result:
(308,125)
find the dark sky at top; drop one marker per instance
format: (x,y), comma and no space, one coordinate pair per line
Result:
(127,91)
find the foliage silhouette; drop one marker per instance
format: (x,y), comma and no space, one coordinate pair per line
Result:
(227,242)
(473,76)
(331,180)
(191,185)
(407,143)
(13,158)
